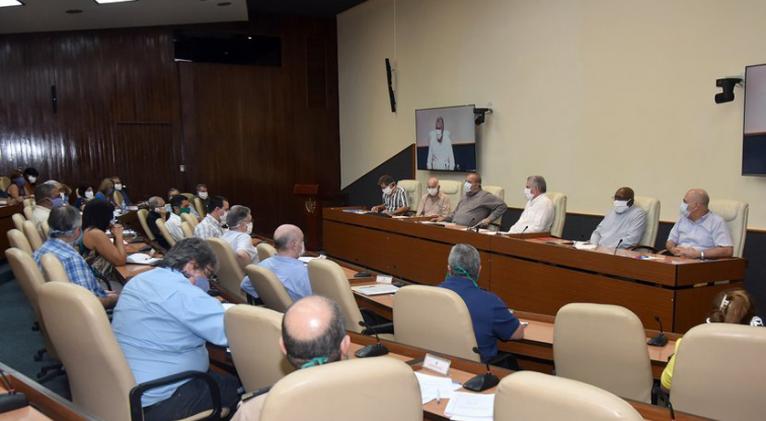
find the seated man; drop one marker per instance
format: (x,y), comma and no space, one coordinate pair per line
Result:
(210,226)
(156,211)
(699,233)
(240,223)
(204,197)
(64,223)
(394,197)
(288,240)
(538,212)
(173,192)
(162,323)
(46,198)
(624,225)
(489,314)
(477,207)
(179,204)
(313,333)
(434,202)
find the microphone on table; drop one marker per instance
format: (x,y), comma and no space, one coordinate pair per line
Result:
(470,224)
(481,382)
(660,339)
(617,247)
(372,350)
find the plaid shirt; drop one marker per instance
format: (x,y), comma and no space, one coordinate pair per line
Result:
(397,199)
(209,227)
(76,267)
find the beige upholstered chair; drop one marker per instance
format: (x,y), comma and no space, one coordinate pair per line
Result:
(187,229)
(495,190)
(5,181)
(528,395)
(651,206)
(45,228)
(413,190)
(328,279)
(18,221)
(165,233)
(118,199)
(265,250)
(370,389)
(18,240)
(269,288)
(717,372)
(80,330)
(29,202)
(142,215)
(254,334)
(199,206)
(32,235)
(559,212)
(189,196)
(447,329)
(229,274)
(53,269)
(735,214)
(28,212)
(620,364)
(452,189)
(187,217)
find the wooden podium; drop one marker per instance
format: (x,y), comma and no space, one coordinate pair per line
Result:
(312,212)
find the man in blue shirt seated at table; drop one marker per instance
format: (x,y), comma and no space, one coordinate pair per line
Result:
(163,322)
(491,318)
(294,275)
(699,233)
(624,225)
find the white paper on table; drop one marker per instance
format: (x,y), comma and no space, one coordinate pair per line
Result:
(141,259)
(227,306)
(470,405)
(463,418)
(432,387)
(584,245)
(377,289)
(306,259)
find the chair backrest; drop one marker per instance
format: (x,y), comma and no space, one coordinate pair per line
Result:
(651,206)
(495,190)
(53,269)
(619,364)
(18,221)
(165,233)
(32,235)
(80,331)
(29,202)
(735,214)
(118,199)
(142,215)
(187,229)
(260,362)
(229,274)
(265,250)
(269,288)
(354,388)
(199,206)
(529,395)
(716,372)
(191,219)
(28,212)
(5,181)
(452,189)
(189,196)
(413,190)
(17,239)
(328,279)
(447,329)
(45,228)
(559,212)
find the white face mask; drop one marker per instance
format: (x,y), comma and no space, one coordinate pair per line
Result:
(202,194)
(32,178)
(433,191)
(439,132)
(89,194)
(118,186)
(684,209)
(63,195)
(388,190)
(249,228)
(158,210)
(528,193)
(620,206)
(467,186)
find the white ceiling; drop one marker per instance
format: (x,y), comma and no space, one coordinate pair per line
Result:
(49,15)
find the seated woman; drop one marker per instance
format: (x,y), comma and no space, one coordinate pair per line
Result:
(240,223)
(732,306)
(99,250)
(84,194)
(106,191)
(22,184)
(121,198)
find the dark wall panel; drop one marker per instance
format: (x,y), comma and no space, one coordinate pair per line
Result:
(365,191)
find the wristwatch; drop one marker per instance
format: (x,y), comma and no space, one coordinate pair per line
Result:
(702,254)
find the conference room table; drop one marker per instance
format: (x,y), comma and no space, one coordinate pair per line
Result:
(536,273)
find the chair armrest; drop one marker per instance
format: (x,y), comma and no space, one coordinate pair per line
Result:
(137,411)
(381,328)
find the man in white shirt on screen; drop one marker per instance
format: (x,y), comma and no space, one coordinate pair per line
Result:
(538,212)
(440,155)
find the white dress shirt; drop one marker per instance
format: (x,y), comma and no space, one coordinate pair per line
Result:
(440,155)
(240,241)
(537,216)
(173,224)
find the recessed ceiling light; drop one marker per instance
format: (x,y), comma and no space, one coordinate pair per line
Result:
(9,3)
(73,11)
(111,1)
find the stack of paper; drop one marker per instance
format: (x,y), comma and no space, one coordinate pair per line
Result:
(435,387)
(470,407)
(141,259)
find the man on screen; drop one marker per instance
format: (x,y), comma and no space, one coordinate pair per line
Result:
(440,156)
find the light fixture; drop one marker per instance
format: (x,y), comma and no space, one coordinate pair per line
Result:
(10,3)
(111,1)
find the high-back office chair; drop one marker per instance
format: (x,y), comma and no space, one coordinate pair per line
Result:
(265,250)
(620,365)
(413,190)
(199,206)
(447,329)
(528,395)
(29,202)
(370,389)
(187,217)
(32,235)
(18,221)
(269,288)
(495,190)
(119,201)
(328,279)
(46,229)
(453,190)
(165,233)
(559,212)
(142,216)
(735,214)
(229,274)
(5,181)
(28,212)
(651,206)
(18,240)
(189,196)
(53,269)
(259,363)
(187,229)
(81,332)
(718,367)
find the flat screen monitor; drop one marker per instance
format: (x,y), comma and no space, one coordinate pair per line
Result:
(754,128)
(446,138)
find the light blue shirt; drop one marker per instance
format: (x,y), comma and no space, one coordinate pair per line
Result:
(627,226)
(162,323)
(707,232)
(293,274)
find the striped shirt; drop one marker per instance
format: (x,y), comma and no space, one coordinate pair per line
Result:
(397,199)
(209,227)
(77,269)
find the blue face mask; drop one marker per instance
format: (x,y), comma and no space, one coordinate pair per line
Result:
(20,181)
(57,202)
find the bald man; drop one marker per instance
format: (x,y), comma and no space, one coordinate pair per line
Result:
(288,240)
(699,233)
(624,225)
(477,207)
(434,202)
(313,333)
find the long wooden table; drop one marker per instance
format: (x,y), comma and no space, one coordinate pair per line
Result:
(6,223)
(537,274)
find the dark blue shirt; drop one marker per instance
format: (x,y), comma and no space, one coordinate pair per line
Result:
(489,314)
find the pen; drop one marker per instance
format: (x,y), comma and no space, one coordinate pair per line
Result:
(438,397)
